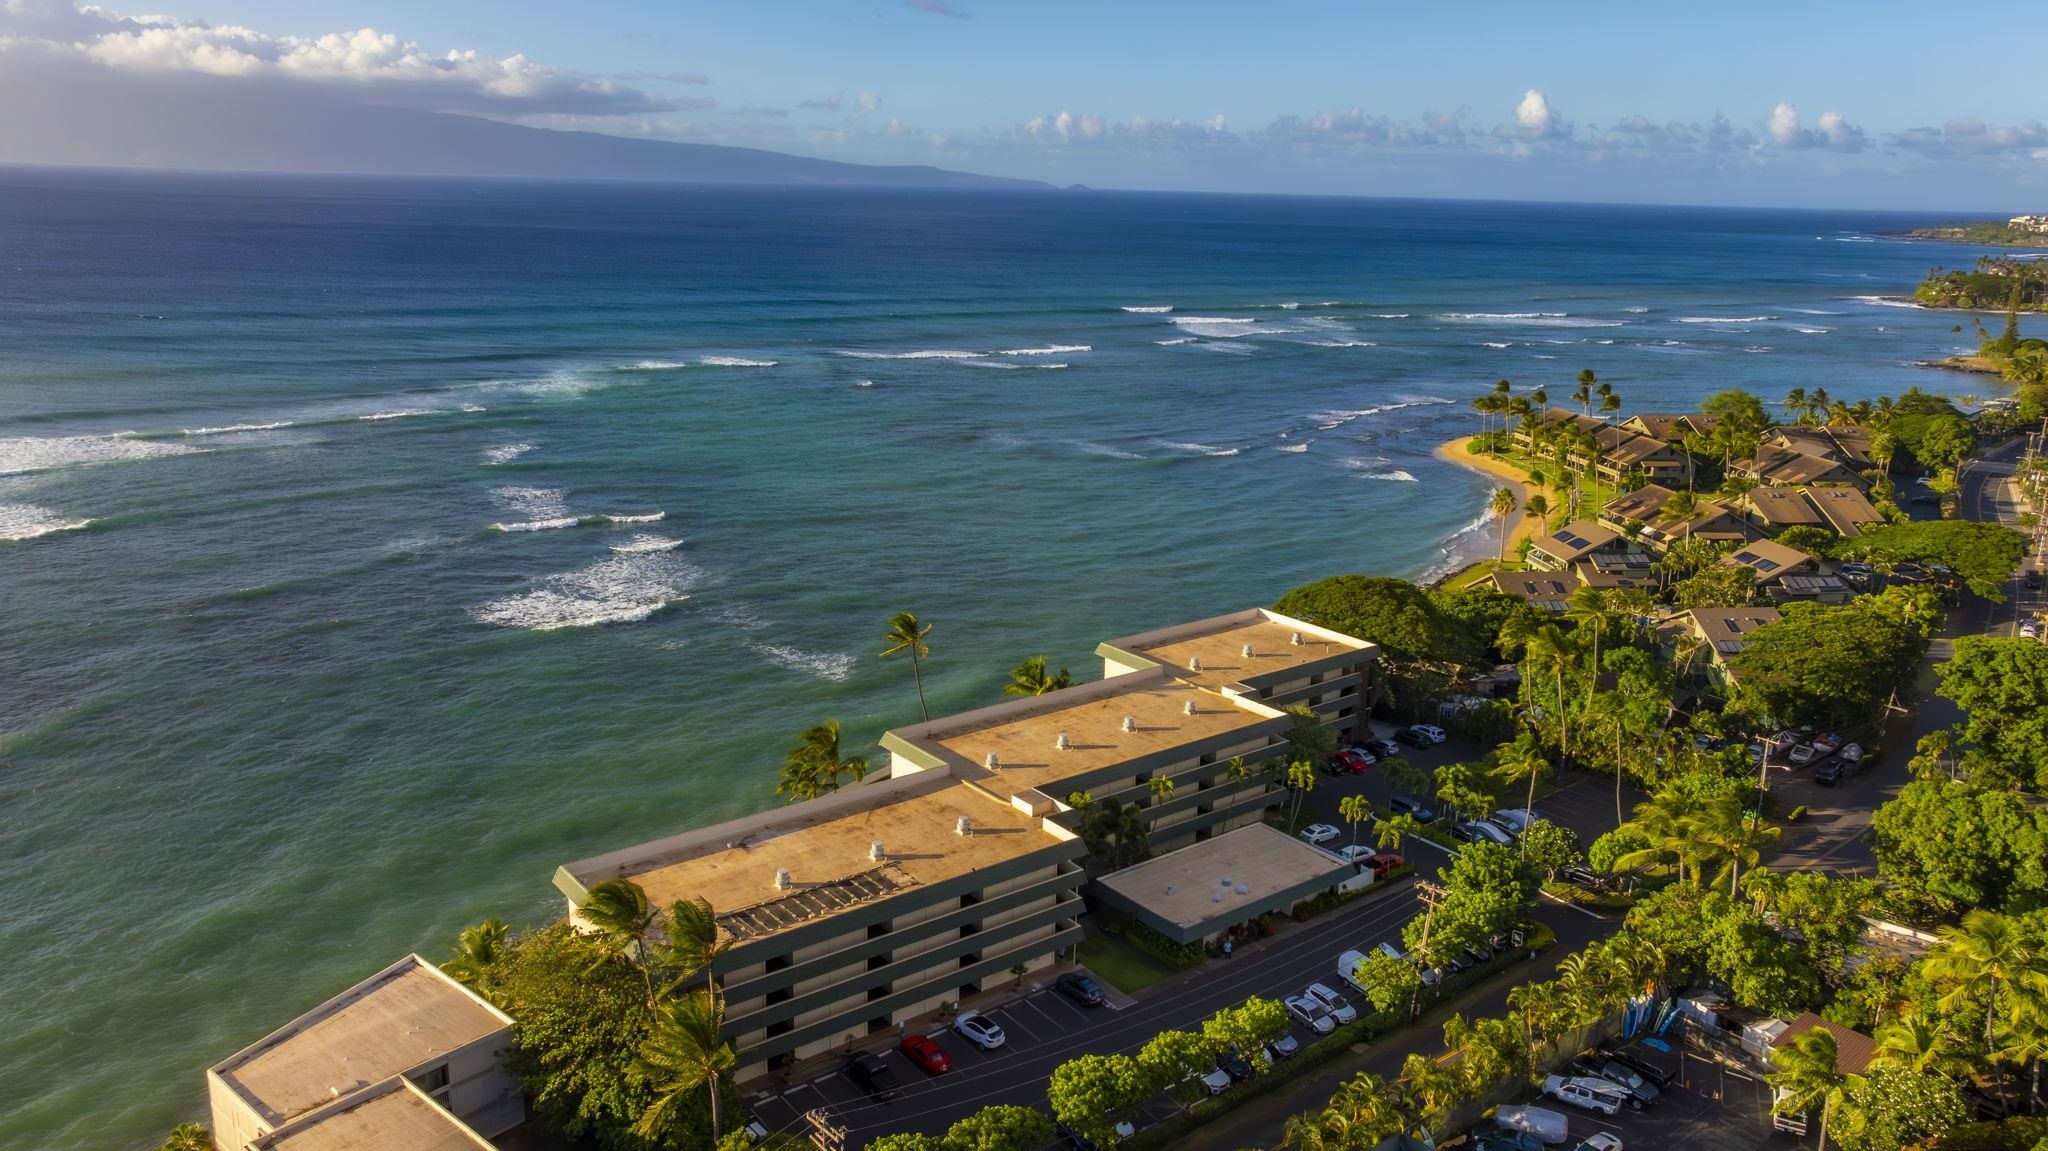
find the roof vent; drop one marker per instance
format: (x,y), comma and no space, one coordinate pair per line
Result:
(1294,638)
(1225,881)
(1216,898)
(1243,890)
(962,825)
(1130,723)
(875,851)
(989,761)
(1245,651)
(1195,664)
(1188,708)
(782,881)
(1169,889)
(1063,743)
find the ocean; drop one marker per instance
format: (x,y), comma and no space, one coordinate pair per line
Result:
(370,547)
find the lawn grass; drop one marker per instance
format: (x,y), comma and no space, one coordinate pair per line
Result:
(1126,968)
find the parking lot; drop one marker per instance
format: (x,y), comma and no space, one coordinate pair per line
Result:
(1709,1107)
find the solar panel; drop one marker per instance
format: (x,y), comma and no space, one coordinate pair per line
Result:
(811,902)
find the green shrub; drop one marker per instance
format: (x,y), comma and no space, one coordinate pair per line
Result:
(2020,1131)
(1163,949)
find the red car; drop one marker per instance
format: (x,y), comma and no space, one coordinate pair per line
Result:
(1356,761)
(926,1054)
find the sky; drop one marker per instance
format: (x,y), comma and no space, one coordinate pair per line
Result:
(1781,104)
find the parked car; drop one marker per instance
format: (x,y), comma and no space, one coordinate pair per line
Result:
(1420,810)
(1347,763)
(926,1055)
(1545,1124)
(2032,579)
(1339,1008)
(1835,771)
(756,1131)
(1585,1093)
(1852,752)
(1215,1082)
(1827,744)
(1380,748)
(1479,953)
(1355,853)
(1641,1091)
(1384,861)
(1756,754)
(2030,630)
(980,1030)
(1320,833)
(1505,1141)
(873,1076)
(1641,1066)
(1233,1065)
(1515,819)
(1072,1139)
(1430,733)
(1459,963)
(1079,988)
(1584,877)
(1599,1141)
(1473,831)
(1285,1047)
(1310,1014)
(1801,754)
(1390,951)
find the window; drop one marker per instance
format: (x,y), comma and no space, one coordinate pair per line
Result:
(433,1079)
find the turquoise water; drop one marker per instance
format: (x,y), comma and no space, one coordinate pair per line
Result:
(290,704)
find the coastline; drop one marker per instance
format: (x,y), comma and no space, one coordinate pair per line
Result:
(1520,525)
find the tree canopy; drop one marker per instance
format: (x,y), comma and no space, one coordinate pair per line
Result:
(1957,845)
(1985,555)
(1832,666)
(2001,685)
(1420,643)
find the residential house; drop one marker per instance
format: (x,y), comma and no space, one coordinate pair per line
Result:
(1788,467)
(1545,591)
(1846,510)
(1609,571)
(1661,526)
(1573,542)
(1844,442)
(1718,632)
(1771,561)
(1774,509)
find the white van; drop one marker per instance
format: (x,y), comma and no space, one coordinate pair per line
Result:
(1347,968)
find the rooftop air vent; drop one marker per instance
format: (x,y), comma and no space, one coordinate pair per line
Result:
(989,761)
(1195,664)
(1295,639)
(1063,743)
(1188,708)
(875,851)
(962,826)
(782,881)
(1216,898)
(1245,651)
(1243,890)
(1130,723)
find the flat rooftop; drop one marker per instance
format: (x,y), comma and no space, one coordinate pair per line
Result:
(1183,887)
(1278,645)
(393,1117)
(1024,739)
(824,844)
(386,1025)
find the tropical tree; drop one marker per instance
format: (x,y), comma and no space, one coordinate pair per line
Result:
(1807,1077)
(1549,651)
(1919,1043)
(1355,809)
(683,1052)
(1518,760)
(905,634)
(693,944)
(617,912)
(1031,678)
(188,1137)
(1001,1127)
(1301,779)
(1174,1059)
(1162,789)
(1986,957)
(1503,505)
(477,950)
(1394,828)
(1583,394)
(1586,608)
(1537,505)
(1430,1089)
(1091,1093)
(814,766)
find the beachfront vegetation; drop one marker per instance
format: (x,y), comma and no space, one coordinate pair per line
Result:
(1031,678)
(906,634)
(188,1137)
(814,766)
(1991,284)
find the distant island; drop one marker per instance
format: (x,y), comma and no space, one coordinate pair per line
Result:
(1997,283)
(2017,232)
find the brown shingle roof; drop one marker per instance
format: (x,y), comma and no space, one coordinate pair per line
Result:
(1853,1049)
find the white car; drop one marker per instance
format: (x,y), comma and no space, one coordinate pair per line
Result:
(980,1030)
(1430,732)
(1852,753)
(1335,1004)
(1595,1095)
(2030,630)
(1347,967)
(1310,1014)
(1802,753)
(1516,819)
(1600,1141)
(1216,1082)
(1320,833)
(1353,853)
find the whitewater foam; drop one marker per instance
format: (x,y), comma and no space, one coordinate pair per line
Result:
(400,413)
(1492,344)
(1089,447)
(614,521)
(937,354)
(621,589)
(833,665)
(654,366)
(474,408)
(539,525)
(1171,343)
(505,453)
(1722,319)
(1297,449)
(1397,475)
(1635,311)
(1392,315)
(224,430)
(1147,309)
(539,503)
(733,362)
(1048,350)
(1197,449)
(26,522)
(1890,302)
(35,453)
(643,543)
(1343,344)
(1811,331)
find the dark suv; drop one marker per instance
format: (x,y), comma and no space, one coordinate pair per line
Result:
(872,1075)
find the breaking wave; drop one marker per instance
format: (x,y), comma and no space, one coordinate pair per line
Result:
(25,522)
(36,453)
(1343,344)
(1197,449)
(643,544)
(269,427)
(733,362)
(836,666)
(654,366)
(1397,475)
(1722,319)
(505,453)
(1048,350)
(1147,309)
(401,413)
(621,589)
(1172,342)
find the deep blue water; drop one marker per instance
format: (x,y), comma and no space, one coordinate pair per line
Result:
(289,704)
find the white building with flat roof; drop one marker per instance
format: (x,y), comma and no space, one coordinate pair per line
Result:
(409,1020)
(394,1115)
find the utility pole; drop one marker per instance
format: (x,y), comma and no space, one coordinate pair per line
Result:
(1432,897)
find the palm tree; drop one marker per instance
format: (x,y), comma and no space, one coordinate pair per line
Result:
(1549,650)
(1807,1077)
(694,944)
(1584,392)
(1917,1043)
(1538,505)
(1542,1007)
(1031,678)
(1587,607)
(617,912)
(477,950)
(682,1052)
(1429,1088)
(1610,403)
(1666,821)
(1796,403)
(1729,836)
(906,634)
(1985,956)
(1519,759)
(1114,832)
(1162,790)
(1503,506)
(188,1137)
(1394,828)
(1355,809)
(1301,779)
(813,767)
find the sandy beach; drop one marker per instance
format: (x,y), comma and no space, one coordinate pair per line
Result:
(1520,526)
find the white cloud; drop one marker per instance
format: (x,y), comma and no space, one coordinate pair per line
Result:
(1969,136)
(868,101)
(1534,114)
(1831,131)
(375,63)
